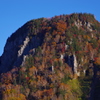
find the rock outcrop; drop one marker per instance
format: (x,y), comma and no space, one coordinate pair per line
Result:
(17,46)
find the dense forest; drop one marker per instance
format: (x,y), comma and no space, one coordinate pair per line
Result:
(59,59)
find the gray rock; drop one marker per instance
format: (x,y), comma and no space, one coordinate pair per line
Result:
(17,46)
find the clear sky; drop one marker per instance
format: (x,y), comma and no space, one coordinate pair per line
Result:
(15,13)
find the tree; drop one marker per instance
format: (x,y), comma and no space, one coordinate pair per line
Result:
(97,61)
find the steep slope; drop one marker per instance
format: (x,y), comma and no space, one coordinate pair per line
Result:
(18,45)
(52,59)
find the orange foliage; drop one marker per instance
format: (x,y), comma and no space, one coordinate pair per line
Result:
(54,32)
(89,47)
(99,41)
(32,70)
(54,43)
(56,59)
(86,37)
(64,86)
(48,92)
(97,60)
(61,26)
(48,28)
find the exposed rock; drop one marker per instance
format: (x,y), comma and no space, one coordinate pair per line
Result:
(20,52)
(75,64)
(79,24)
(16,48)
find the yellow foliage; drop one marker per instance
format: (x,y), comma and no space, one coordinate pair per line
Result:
(20,97)
(30,80)
(54,43)
(51,86)
(8,91)
(86,37)
(32,69)
(13,95)
(75,86)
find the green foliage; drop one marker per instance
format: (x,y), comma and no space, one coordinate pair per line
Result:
(60,63)
(85,86)
(75,87)
(56,63)
(38,50)
(65,79)
(62,92)
(29,61)
(75,45)
(94,43)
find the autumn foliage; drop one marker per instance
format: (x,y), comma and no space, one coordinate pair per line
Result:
(48,72)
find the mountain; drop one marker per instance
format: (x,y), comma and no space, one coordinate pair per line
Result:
(54,58)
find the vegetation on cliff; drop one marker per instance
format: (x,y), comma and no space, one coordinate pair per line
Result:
(62,67)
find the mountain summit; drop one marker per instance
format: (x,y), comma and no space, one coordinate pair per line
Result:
(54,58)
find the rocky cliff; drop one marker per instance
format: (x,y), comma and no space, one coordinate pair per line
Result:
(18,45)
(52,59)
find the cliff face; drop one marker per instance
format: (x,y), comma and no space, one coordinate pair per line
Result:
(18,45)
(52,58)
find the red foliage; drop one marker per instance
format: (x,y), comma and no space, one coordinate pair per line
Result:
(96,48)
(63,49)
(77,52)
(75,35)
(27,78)
(95,58)
(51,61)
(86,51)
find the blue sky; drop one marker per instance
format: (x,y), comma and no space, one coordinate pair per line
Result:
(15,13)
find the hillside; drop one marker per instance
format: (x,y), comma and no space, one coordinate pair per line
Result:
(54,58)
